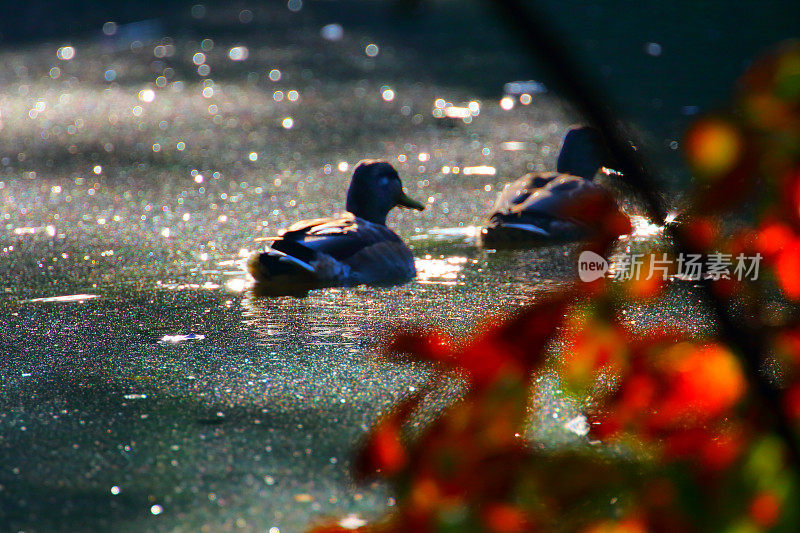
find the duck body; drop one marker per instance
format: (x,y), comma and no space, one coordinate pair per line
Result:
(535,209)
(345,250)
(351,249)
(553,207)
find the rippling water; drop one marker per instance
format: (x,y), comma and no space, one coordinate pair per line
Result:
(144,387)
(225,409)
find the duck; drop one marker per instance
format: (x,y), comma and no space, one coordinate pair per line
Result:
(351,249)
(554,207)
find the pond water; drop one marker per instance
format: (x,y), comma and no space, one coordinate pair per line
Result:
(225,410)
(144,386)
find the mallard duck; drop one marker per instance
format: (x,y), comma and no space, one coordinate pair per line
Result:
(351,249)
(543,208)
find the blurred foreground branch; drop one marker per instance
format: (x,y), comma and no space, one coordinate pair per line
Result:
(588,97)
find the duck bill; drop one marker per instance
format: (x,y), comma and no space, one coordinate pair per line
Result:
(405,201)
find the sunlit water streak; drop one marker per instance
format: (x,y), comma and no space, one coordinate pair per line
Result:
(65,299)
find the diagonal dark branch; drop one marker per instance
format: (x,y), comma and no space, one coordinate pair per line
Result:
(548,46)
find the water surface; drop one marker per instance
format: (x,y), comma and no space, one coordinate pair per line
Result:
(144,387)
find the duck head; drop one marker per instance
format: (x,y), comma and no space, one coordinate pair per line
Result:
(374,190)
(583,153)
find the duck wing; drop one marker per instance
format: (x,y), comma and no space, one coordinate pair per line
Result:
(344,249)
(549,206)
(549,195)
(563,196)
(337,237)
(517,192)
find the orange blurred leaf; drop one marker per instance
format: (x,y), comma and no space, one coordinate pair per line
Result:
(714,146)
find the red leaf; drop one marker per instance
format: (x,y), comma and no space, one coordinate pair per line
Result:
(791,401)
(765,509)
(383,452)
(430,346)
(504,518)
(703,382)
(773,237)
(514,346)
(787,268)
(701,232)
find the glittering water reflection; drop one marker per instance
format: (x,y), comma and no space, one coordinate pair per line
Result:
(142,379)
(644,228)
(442,271)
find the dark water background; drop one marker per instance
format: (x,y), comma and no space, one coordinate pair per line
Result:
(143,387)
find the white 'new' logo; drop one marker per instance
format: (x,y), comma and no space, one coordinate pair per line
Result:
(591,266)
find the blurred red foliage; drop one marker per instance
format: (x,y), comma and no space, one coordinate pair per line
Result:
(688,438)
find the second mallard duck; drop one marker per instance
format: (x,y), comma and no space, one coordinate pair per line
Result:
(351,249)
(545,208)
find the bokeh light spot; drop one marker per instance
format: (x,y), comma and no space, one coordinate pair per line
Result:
(238,53)
(147,95)
(65,53)
(713,147)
